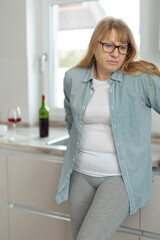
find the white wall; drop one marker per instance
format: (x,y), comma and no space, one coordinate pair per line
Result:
(20,81)
(150,41)
(13,59)
(150,30)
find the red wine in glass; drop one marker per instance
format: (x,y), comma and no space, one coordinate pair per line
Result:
(14,117)
(12,120)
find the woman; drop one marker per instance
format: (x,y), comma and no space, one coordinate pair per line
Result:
(107,170)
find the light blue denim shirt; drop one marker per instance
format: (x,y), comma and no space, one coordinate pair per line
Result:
(131,99)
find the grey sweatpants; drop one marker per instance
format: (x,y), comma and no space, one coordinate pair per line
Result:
(98,205)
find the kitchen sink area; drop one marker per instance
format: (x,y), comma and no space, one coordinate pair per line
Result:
(60,142)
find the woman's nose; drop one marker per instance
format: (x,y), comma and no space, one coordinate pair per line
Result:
(115,53)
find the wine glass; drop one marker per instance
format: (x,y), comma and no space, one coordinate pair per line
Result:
(14,116)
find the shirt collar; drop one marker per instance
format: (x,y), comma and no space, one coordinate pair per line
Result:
(89,75)
(116,76)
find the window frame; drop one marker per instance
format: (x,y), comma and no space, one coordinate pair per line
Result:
(56,114)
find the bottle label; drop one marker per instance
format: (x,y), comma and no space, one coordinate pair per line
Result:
(43,127)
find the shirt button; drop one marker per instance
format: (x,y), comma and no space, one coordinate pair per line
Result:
(73,159)
(77,143)
(91,92)
(80,126)
(84,107)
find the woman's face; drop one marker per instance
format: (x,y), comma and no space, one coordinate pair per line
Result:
(107,63)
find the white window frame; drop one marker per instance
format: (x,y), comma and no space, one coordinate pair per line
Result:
(56,114)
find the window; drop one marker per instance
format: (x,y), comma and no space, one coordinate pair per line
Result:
(71,29)
(71,25)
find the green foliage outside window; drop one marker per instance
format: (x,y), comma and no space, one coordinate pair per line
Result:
(70,58)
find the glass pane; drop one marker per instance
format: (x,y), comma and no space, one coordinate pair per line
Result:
(71,29)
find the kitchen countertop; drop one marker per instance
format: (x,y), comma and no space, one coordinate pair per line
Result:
(28,140)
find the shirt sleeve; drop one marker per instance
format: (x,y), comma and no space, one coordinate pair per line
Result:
(68,112)
(152,91)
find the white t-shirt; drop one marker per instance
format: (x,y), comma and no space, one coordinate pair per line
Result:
(97,153)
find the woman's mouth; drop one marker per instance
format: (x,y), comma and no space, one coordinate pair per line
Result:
(112,62)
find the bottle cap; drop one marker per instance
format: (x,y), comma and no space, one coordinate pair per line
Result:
(43,97)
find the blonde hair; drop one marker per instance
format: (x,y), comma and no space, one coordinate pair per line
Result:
(130,66)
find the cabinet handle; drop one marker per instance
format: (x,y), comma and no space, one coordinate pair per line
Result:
(41,212)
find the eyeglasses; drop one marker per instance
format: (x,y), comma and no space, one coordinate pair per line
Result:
(110,47)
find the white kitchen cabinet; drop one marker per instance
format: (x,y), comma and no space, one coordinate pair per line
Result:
(25,225)
(33,182)
(146,238)
(132,221)
(33,212)
(150,214)
(124,236)
(4,234)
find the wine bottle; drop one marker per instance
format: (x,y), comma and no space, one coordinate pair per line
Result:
(43,119)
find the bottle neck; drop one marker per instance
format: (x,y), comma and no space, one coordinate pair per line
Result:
(43,101)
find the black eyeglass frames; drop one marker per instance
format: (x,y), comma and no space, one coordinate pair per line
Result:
(110,47)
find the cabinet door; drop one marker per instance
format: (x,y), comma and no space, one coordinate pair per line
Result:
(132,221)
(124,236)
(3,199)
(146,238)
(26,225)
(33,182)
(150,214)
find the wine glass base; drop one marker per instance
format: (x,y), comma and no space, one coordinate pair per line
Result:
(12,139)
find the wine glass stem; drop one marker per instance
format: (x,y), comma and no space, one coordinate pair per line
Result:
(14,130)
